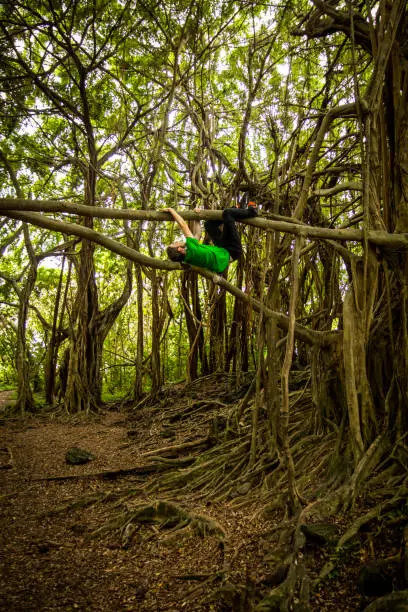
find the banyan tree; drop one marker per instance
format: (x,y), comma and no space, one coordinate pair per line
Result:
(111,112)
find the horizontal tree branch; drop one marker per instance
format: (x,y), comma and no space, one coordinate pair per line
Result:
(10,206)
(350,185)
(318,26)
(309,336)
(90,234)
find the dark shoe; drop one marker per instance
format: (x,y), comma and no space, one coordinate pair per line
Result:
(246,202)
(243,203)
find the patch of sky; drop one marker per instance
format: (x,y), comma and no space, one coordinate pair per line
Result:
(19,45)
(51,262)
(283,69)
(30,125)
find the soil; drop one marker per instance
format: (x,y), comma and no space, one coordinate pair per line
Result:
(52,556)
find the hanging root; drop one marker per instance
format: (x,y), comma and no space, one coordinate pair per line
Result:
(365,468)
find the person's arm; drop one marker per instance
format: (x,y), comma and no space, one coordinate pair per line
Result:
(180,222)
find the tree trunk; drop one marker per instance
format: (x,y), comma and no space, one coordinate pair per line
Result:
(84,379)
(138,390)
(193,317)
(238,342)
(155,335)
(217,324)
(52,348)
(25,399)
(83,390)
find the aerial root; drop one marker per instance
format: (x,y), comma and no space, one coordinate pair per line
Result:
(297,584)
(377,514)
(366,466)
(193,410)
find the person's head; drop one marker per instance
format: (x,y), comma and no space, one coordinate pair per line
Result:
(176,251)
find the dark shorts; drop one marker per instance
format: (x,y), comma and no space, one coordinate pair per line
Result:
(228,237)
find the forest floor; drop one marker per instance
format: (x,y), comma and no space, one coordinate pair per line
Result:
(52,559)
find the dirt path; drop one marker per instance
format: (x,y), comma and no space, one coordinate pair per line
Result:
(49,562)
(46,562)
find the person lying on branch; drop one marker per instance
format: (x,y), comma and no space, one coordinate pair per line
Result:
(226,240)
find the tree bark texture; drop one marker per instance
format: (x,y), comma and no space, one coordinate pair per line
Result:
(25,400)
(193,315)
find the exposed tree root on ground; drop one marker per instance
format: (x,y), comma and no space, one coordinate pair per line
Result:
(350,514)
(323,476)
(165,514)
(217,468)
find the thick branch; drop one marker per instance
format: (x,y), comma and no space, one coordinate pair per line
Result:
(302,333)
(10,206)
(93,236)
(326,20)
(350,185)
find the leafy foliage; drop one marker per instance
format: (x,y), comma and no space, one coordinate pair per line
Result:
(144,105)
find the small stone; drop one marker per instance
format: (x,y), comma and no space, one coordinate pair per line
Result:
(78,456)
(244,488)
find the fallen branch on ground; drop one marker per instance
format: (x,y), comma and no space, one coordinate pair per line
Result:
(140,470)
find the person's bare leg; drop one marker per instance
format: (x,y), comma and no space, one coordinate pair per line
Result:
(195,227)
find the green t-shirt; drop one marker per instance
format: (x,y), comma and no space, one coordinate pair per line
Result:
(207,256)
